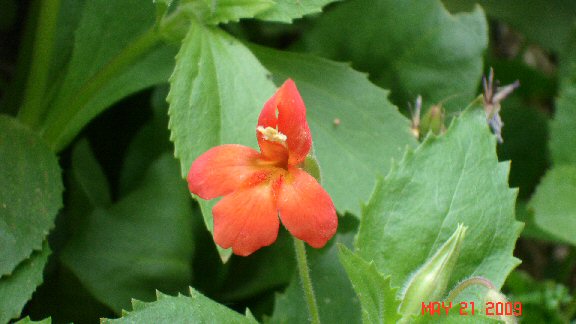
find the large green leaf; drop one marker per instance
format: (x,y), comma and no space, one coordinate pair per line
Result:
(554,203)
(337,302)
(416,47)
(546,22)
(180,309)
(288,10)
(31,193)
(378,298)
(97,74)
(451,179)
(17,288)
(369,132)
(217,91)
(143,242)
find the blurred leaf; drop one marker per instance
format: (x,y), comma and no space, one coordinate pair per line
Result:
(554,203)
(531,229)
(415,48)
(68,19)
(30,195)
(562,128)
(17,288)
(451,179)
(27,320)
(337,302)
(370,132)
(456,318)
(143,242)
(524,124)
(542,301)
(217,91)
(162,7)
(63,298)
(73,105)
(180,309)
(148,144)
(269,268)
(546,22)
(288,10)
(7,14)
(378,299)
(89,178)
(222,11)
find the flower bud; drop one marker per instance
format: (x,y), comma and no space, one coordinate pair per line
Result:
(433,121)
(496,297)
(429,283)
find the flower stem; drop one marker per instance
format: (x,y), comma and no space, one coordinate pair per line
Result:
(32,108)
(467,283)
(304,272)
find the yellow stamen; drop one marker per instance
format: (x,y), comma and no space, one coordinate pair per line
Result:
(272,134)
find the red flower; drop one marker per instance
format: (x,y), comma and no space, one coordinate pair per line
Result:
(259,187)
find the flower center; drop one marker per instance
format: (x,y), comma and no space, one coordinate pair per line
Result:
(272,135)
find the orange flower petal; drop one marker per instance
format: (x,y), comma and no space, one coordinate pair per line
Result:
(286,112)
(221,170)
(246,220)
(306,209)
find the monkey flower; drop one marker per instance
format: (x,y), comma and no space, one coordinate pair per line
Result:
(260,187)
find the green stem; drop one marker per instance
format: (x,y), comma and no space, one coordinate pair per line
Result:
(32,108)
(304,272)
(467,283)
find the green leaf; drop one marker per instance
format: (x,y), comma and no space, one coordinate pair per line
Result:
(217,90)
(89,178)
(143,242)
(415,48)
(369,131)
(31,194)
(524,124)
(288,10)
(377,297)
(125,59)
(542,301)
(451,179)
(148,144)
(531,229)
(554,203)
(27,320)
(68,19)
(337,302)
(17,288)
(180,309)
(267,269)
(222,11)
(562,130)
(162,7)
(546,22)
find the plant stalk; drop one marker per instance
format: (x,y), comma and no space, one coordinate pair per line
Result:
(32,109)
(304,272)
